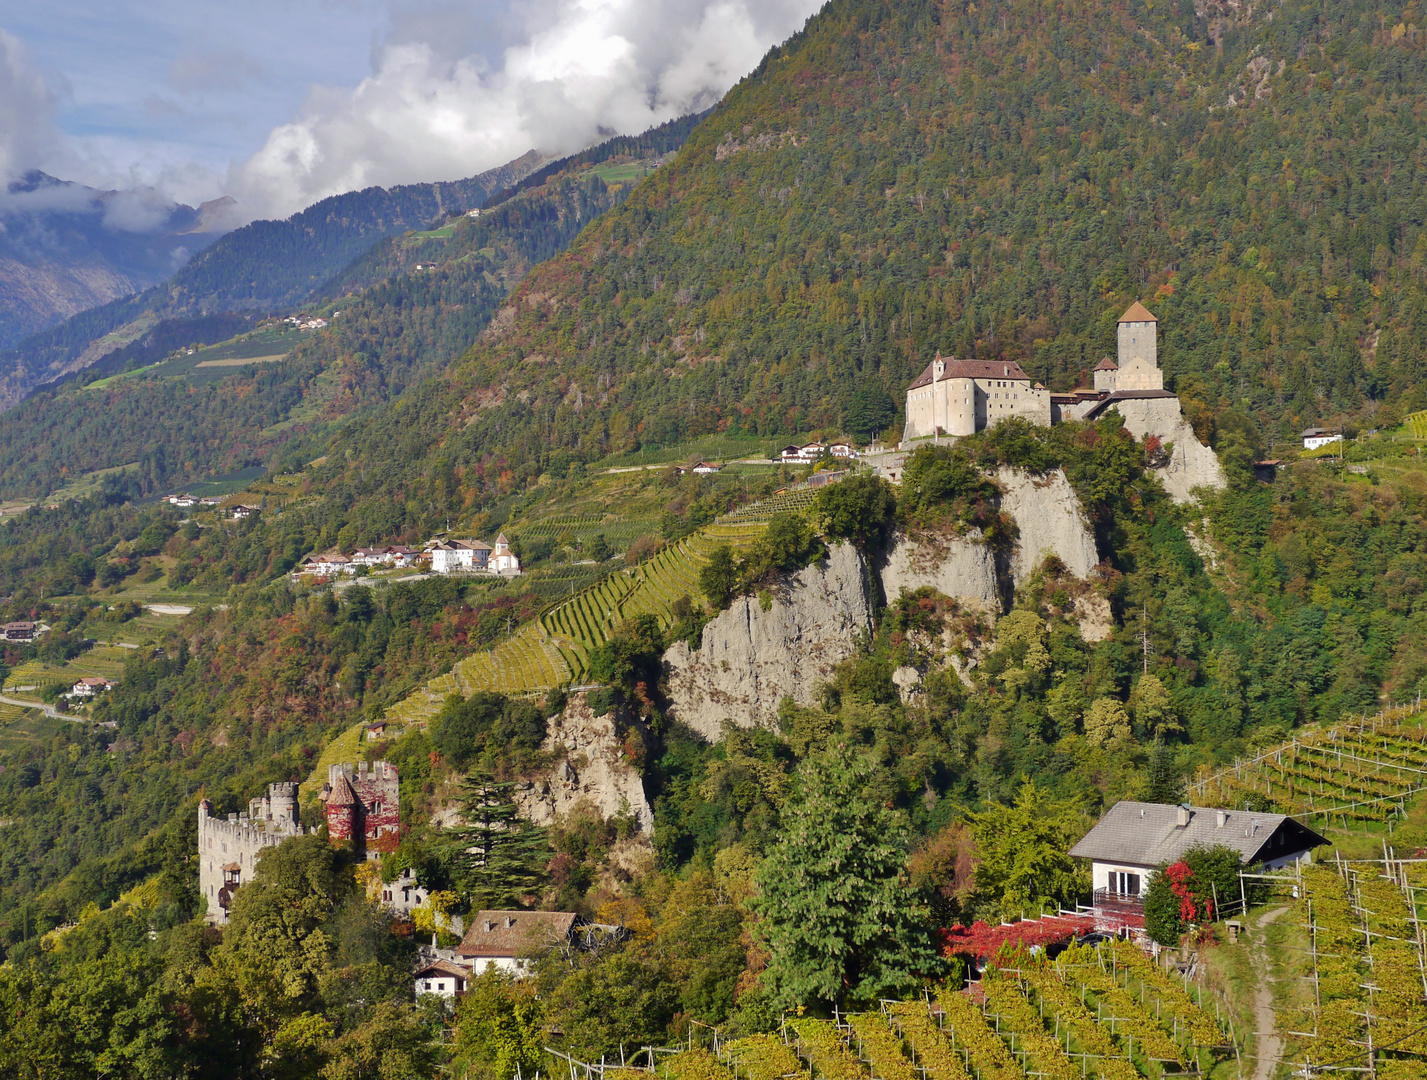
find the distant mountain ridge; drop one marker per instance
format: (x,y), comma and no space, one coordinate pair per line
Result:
(262,266)
(65,247)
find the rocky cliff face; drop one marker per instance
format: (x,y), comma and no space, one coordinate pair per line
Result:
(750,659)
(1192,464)
(961,567)
(1051,522)
(591,767)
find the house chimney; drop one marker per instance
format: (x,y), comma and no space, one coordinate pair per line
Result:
(489,926)
(509,922)
(1183,816)
(1219,818)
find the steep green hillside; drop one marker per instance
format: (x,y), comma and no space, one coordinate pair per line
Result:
(184,415)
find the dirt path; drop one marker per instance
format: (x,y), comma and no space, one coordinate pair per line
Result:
(1269,1045)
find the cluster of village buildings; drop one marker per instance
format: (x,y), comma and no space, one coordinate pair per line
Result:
(236,511)
(814,450)
(442,556)
(361,807)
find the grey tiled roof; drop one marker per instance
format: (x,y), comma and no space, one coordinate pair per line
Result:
(1147,834)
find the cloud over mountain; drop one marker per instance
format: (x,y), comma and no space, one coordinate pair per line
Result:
(442,105)
(28,138)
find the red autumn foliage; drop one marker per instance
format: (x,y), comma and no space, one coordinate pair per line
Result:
(980,940)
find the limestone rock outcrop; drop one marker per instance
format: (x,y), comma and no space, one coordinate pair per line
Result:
(1051,521)
(590,767)
(957,566)
(1192,464)
(750,659)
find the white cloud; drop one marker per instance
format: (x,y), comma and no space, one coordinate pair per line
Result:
(568,71)
(28,139)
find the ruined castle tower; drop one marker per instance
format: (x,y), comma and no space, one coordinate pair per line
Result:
(228,850)
(363,805)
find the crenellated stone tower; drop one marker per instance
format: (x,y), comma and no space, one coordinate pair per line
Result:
(228,849)
(363,806)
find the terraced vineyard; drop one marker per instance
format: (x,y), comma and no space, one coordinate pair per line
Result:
(1363,921)
(1417,425)
(1364,769)
(799,498)
(1106,1012)
(555,648)
(619,532)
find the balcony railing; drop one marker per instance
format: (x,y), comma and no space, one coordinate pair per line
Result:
(1118,901)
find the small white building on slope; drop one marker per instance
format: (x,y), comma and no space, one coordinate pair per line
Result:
(1133,839)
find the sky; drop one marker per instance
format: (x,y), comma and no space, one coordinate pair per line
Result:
(279,104)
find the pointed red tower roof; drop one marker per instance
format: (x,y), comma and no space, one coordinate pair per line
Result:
(1107,364)
(1137,312)
(342,793)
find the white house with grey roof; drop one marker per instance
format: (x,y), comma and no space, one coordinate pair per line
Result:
(1134,839)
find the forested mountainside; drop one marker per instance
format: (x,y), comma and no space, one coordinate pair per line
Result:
(175,418)
(992,182)
(65,248)
(900,178)
(262,266)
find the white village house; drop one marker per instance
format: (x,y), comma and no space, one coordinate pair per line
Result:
(89,686)
(442,978)
(1315,437)
(452,556)
(1133,839)
(506,940)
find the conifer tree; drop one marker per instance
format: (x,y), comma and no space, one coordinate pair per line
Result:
(1163,782)
(498,860)
(839,916)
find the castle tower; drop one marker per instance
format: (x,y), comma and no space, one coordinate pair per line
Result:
(1105,373)
(283,800)
(363,806)
(1138,351)
(343,809)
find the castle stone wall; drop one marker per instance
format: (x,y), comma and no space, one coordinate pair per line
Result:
(228,849)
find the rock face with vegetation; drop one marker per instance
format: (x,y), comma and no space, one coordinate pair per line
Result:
(962,567)
(1050,521)
(766,647)
(1192,464)
(591,766)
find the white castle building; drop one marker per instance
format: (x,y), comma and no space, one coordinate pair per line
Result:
(961,397)
(228,849)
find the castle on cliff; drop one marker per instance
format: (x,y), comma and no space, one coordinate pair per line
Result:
(362,808)
(961,397)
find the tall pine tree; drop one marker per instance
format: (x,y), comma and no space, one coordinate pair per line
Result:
(498,860)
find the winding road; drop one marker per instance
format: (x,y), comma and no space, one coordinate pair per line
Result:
(48,710)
